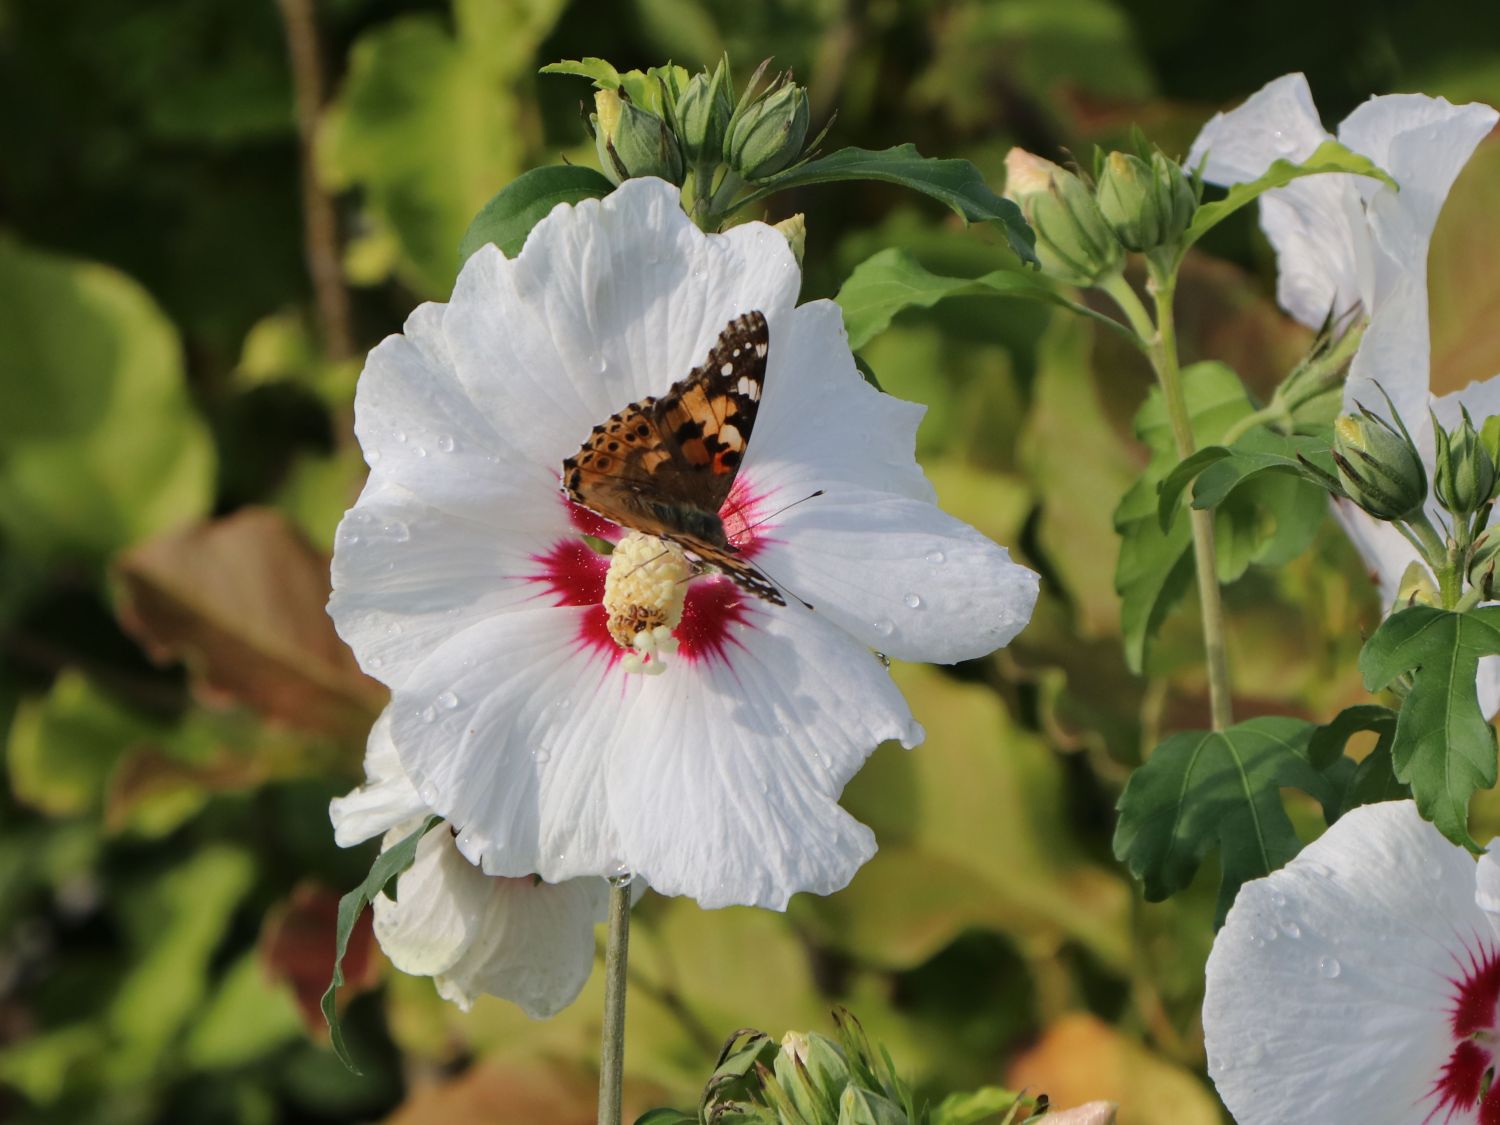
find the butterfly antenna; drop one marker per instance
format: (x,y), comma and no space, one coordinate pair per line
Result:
(786,508)
(646,562)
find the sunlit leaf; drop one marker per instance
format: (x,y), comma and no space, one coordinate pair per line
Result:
(99,443)
(1370,780)
(1443,746)
(241,600)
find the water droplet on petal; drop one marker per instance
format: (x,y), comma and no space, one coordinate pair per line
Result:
(541,755)
(912,601)
(429,794)
(372,456)
(393,629)
(400,436)
(1329,967)
(445,443)
(1291,929)
(935,556)
(396,531)
(884,626)
(376,662)
(781,729)
(1278,899)
(419,451)
(428,714)
(447,701)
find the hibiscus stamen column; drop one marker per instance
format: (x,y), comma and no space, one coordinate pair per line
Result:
(1160,339)
(616,960)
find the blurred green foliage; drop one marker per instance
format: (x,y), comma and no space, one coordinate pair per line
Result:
(178,711)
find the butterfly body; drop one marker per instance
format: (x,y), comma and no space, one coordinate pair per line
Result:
(664,465)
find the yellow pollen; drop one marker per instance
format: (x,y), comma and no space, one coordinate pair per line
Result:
(643,592)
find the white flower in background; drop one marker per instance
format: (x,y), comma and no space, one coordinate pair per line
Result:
(516,938)
(462,578)
(1347,242)
(1360,982)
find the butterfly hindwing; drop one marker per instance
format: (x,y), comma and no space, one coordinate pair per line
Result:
(664,466)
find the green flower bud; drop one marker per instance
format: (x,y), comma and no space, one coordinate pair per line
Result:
(1146,205)
(1464,475)
(1073,241)
(1417,587)
(703,114)
(862,1107)
(767,133)
(813,1071)
(632,141)
(1379,466)
(1483,561)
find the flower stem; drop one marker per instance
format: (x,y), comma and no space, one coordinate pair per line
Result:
(616,961)
(1161,346)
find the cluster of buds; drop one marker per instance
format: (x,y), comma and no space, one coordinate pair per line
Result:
(696,128)
(810,1079)
(1140,203)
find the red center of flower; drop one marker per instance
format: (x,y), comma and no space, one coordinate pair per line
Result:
(572,573)
(1467,1084)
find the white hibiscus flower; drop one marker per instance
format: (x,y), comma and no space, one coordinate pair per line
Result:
(517,938)
(1348,242)
(462,578)
(1360,982)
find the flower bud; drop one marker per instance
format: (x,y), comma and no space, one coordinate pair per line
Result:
(1146,205)
(1464,474)
(1073,241)
(632,141)
(1482,564)
(1379,466)
(1417,587)
(795,232)
(767,133)
(813,1070)
(703,114)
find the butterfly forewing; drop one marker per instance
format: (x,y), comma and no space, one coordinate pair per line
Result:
(664,466)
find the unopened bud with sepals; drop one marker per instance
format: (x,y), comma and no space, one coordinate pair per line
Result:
(1464,474)
(1146,203)
(633,141)
(1379,466)
(1073,242)
(768,131)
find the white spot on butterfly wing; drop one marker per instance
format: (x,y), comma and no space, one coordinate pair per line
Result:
(727,369)
(750,388)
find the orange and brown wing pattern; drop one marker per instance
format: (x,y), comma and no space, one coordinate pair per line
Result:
(664,466)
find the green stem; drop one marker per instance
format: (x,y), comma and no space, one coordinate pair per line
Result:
(1437,556)
(616,962)
(1161,346)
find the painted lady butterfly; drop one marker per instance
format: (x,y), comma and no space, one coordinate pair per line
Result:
(664,466)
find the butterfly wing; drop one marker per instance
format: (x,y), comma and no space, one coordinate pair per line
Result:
(664,466)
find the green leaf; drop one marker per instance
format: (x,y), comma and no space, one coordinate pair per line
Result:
(644,88)
(1330,156)
(974,1107)
(1370,780)
(601,72)
(1443,747)
(386,867)
(954,182)
(1202,790)
(1263,450)
(892,280)
(91,360)
(507,219)
(1169,490)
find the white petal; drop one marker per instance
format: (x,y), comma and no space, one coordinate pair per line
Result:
(725,782)
(505,731)
(1316,225)
(901,575)
(385,800)
(1327,993)
(535,945)
(1487,884)
(1423,143)
(609,301)
(407,576)
(1277,122)
(438,911)
(821,424)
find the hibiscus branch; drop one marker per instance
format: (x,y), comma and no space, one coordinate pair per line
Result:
(1160,338)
